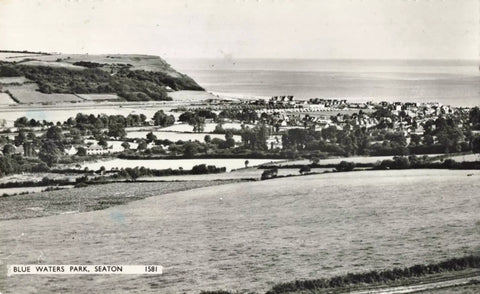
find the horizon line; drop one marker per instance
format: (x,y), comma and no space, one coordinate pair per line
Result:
(246,58)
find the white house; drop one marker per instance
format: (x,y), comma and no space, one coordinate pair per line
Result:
(71,151)
(96,149)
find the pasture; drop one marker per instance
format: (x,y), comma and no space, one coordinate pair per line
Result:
(27,96)
(249,236)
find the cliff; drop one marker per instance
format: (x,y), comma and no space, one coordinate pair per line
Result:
(131,77)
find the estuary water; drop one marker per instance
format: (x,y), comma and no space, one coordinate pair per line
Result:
(450,82)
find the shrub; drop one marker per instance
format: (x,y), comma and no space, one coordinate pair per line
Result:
(81,185)
(269,173)
(462,263)
(304,169)
(345,166)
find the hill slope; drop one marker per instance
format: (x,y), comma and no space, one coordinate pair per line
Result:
(131,77)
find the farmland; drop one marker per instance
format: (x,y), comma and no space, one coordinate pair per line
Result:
(176,136)
(229,163)
(98,97)
(250,236)
(68,75)
(86,199)
(13,80)
(5,99)
(26,96)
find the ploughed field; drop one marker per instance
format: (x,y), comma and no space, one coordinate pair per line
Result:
(249,236)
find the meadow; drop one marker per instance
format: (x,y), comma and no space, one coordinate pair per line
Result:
(229,163)
(179,136)
(209,127)
(5,99)
(27,96)
(86,199)
(13,80)
(251,236)
(98,97)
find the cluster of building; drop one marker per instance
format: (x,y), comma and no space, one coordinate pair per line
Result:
(407,117)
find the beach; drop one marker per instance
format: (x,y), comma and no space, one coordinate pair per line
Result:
(450,82)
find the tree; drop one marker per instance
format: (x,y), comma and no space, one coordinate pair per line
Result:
(76,136)
(246,163)
(476,144)
(401,162)
(8,149)
(21,122)
(345,166)
(190,149)
(207,139)
(102,142)
(219,129)
(133,173)
(53,136)
(256,138)
(474,118)
(428,140)
(200,169)
(126,145)
(81,151)
(415,139)
(143,118)
(186,116)
(151,137)
(142,145)
(54,133)
(49,153)
(198,123)
(116,130)
(304,169)
(163,120)
(269,173)
(315,160)
(229,141)
(7,165)
(20,138)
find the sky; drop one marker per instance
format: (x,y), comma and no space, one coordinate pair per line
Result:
(368,29)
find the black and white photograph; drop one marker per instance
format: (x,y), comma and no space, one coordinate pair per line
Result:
(240,146)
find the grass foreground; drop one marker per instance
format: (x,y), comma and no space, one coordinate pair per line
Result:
(464,269)
(94,197)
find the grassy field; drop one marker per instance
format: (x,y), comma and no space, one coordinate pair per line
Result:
(52,64)
(177,136)
(98,97)
(209,127)
(13,80)
(5,99)
(228,163)
(471,288)
(17,56)
(86,199)
(193,96)
(242,173)
(248,236)
(138,62)
(27,96)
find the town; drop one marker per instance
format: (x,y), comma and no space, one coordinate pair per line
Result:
(279,128)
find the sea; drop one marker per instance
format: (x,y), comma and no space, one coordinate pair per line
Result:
(449,82)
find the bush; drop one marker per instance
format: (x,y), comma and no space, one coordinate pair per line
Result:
(269,174)
(81,185)
(453,264)
(345,166)
(304,169)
